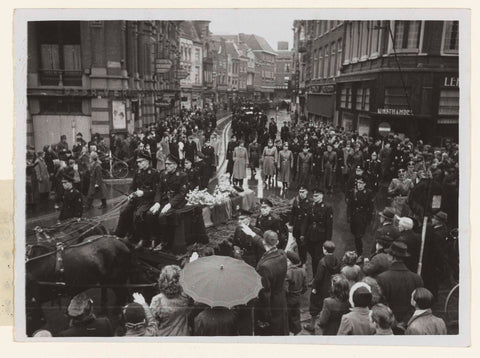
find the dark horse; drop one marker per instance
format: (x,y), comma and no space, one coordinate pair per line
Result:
(98,260)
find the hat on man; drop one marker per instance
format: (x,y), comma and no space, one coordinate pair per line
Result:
(266,202)
(293,257)
(79,305)
(134,313)
(385,240)
(387,213)
(398,249)
(143,155)
(172,159)
(442,216)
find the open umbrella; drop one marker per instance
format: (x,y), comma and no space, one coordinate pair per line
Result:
(220,281)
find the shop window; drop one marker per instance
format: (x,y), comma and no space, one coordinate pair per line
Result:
(407,35)
(339,57)
(450,37)
(60,105)
(362,99)
(320,63)
(60,55)
(396,97)
(449,102)
(346,98)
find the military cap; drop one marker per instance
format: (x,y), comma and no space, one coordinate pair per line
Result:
(144,155)
(173,159)
(266,202)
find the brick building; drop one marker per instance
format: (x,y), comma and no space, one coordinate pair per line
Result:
(99,77)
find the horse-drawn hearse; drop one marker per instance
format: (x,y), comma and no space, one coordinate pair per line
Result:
(80,254)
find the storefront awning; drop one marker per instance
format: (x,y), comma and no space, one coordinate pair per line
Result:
(321,104)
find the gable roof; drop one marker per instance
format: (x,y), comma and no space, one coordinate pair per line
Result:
(232,50)
(256,43)
(188,31)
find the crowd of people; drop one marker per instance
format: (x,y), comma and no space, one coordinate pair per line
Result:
(390,290)
(73,176)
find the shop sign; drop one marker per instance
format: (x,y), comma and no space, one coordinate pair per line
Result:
(384,129)
(450,81)
(162,65)
(395,111)
(328,89)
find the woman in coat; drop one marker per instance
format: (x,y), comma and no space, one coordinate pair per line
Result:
(43,177)
(171,306)
(240,163)
(160,158)
(285,165)
(335,306)
(254,157)
(97,187)
(270,159)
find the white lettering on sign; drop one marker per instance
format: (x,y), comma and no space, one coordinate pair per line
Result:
(395,111)
(450,82)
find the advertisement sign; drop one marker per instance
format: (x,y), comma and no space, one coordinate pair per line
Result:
(119,118)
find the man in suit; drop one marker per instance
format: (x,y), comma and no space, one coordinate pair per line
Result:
(379,261)
(423,322)
(247,248)
(399,282)
(271,311)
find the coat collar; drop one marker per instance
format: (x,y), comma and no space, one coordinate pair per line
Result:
(425,313)
(271,254)
(398,266)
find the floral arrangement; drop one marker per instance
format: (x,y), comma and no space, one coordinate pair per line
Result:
(223,191)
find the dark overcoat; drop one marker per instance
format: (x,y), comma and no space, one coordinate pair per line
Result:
(272,304)
(96,178)
(397,285)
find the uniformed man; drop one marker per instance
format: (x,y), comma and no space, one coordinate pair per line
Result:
(360,205)
(318,227)
(132,219)
(170,195)
(72,199)
(329,168)
(193,175)
(373,168)
(300,208)
(247,247)
(268,221)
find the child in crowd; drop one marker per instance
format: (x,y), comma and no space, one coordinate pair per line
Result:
(295,286)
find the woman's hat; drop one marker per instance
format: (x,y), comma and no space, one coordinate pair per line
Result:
(387,213)
(78,305)
(398,249)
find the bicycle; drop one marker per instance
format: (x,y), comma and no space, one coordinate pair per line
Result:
(116,169)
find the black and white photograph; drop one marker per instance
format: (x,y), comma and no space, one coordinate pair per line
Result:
(273,175)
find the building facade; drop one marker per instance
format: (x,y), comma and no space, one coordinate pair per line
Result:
(283,71)
(99,77)
(191,60)
(402,75)
(264,78)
